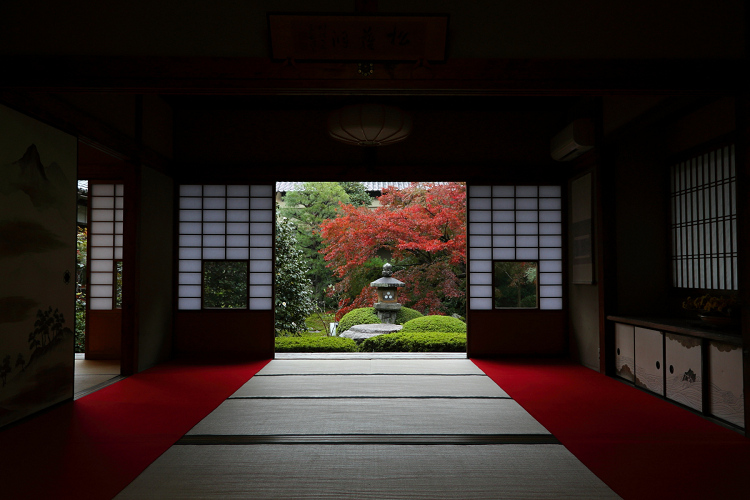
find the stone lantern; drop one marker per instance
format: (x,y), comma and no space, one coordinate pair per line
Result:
(387,306)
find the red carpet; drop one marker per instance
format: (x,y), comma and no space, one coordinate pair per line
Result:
(93,447)
(640,446)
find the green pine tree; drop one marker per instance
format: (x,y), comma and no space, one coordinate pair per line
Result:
(293,289)
(317,202)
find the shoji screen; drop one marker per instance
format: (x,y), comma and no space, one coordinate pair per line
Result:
(105,245)
(226,222)
(704,221)
(515,223)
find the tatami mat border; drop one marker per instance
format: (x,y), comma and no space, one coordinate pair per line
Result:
(369,439)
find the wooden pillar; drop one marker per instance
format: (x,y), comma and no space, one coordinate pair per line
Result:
(130,274)
(742,158)
(605,245)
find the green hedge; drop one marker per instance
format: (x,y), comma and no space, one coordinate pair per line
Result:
(415,342)
(315,344)
(367,316)
(435,324)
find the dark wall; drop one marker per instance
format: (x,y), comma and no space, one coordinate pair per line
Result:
(498,131)
(225,334)
(642,157)
(516,333)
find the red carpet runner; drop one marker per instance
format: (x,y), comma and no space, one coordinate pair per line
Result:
(93,447)
(641,446)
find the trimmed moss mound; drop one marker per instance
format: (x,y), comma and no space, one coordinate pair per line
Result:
(367,316)
(435,324)
(416,342)
(405,314)
(315,344)
(361,316)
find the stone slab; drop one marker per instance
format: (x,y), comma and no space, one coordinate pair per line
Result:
(361,332)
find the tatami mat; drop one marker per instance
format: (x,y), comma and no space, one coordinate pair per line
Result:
(368,416)
(379,472)
(393,386)
(368,429)
(371,366)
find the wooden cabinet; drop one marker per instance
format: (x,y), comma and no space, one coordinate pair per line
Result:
(624,354)
(700,369)
(684,370)
(649,359)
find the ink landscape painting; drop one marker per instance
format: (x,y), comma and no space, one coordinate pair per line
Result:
(37,258)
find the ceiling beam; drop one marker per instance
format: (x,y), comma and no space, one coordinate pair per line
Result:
(262,76)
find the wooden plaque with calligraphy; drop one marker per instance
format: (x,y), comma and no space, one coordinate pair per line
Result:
(355,37)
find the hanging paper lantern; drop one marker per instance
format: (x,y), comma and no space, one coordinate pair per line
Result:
(369,124)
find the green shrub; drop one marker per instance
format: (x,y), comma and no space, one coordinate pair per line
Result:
(435,324)
(405,314)
(415,342)
(315,344)
(367,316)
(361,316)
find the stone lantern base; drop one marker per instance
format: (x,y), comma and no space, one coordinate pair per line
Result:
(387,311)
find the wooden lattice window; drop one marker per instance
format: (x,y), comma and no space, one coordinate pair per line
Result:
(704,221)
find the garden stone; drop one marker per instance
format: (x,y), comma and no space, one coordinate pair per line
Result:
(358,333)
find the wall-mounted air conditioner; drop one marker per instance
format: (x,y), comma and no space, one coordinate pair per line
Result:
(573,140)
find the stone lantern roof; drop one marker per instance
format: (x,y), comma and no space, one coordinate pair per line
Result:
(387,281)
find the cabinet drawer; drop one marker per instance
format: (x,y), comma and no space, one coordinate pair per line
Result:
(684,370)
(726,396)
(649,359)
(624,352)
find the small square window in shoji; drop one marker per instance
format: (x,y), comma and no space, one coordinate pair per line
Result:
(105,245)
(226,222)
(521,223)
(704,221)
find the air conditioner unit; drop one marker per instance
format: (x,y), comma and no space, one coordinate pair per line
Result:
(573,140)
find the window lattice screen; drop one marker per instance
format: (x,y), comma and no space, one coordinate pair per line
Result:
(704,221)
(226,222)
(104,243)
(515,223)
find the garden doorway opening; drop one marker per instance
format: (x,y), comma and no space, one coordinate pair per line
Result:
(332,242)
(98,281)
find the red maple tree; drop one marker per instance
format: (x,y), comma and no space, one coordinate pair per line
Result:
(423,227)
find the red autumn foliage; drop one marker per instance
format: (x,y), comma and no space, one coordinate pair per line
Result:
(424,229)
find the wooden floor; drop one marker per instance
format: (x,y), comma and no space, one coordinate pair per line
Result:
(91,375)
(368,427)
